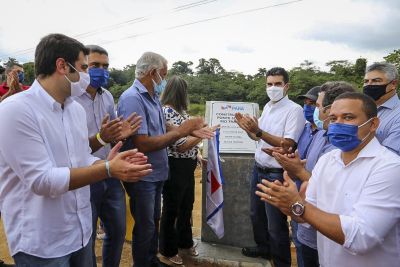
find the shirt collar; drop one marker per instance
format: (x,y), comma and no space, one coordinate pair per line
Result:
(280,103)
(141,88)
(391,103)
(371,150)
(48,100)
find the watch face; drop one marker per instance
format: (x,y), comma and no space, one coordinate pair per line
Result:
(298,209)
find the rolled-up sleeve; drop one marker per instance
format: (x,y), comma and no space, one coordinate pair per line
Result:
(24,151)
(376,212)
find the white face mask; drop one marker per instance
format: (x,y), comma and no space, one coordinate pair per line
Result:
(79,87)
(275,93)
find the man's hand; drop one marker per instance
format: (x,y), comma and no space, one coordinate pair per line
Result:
(110,130)
(290,162)
(188,126)
(283,149)
(205,132)
(13,82)
(130,126)
(128,166)
(247,123)
(279,195)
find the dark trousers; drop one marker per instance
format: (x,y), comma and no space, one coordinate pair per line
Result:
(80,258)
(108,203)
(145,205)
(278,228)
(178,199)
(258,215)
(310,256)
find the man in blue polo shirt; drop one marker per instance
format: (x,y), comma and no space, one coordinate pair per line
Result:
(152,139)
(380,83)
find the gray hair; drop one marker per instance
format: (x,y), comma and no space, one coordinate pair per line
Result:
(388,69)
(148,62)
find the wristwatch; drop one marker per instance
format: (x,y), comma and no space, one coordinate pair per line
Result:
(297,208)
(259,133)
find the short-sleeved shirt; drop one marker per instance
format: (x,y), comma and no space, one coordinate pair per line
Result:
(284,119)
(305,140)
(137,99)
(175,118)
(388,132)
(365,194)
(96,109)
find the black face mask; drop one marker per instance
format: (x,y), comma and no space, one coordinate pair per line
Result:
(376,91)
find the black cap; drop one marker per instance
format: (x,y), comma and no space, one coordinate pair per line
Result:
(311,94)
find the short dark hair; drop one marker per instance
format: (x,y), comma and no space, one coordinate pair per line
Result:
(52,47)
(97,49)
(278,71)
(333,90)
(175,94)
(368,104)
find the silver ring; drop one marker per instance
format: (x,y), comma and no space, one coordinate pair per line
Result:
(270,197)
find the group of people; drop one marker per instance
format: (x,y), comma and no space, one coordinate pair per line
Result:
(67,157)
(332,167)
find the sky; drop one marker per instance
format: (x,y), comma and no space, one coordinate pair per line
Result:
(243,35)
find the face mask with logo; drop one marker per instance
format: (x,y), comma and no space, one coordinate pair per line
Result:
(376,91)
(79,87)
(309,112)
(21,77)
(345,136)
(159,88)
(98,77)
(275,93)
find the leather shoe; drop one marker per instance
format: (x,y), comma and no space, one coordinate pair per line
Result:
(255,252)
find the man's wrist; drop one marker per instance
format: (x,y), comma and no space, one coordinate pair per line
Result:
(101,141)
(258,133)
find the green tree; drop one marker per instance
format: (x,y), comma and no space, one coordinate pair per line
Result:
(181,67)
(394,58)
(29,73)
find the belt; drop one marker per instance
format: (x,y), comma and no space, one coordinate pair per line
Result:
(268,170)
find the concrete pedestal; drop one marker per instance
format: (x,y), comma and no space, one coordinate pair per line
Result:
(237,172)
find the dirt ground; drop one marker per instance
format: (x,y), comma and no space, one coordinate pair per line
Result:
(126,259)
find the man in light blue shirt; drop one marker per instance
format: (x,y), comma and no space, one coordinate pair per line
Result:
(108,196)
(380,83)
(152,138)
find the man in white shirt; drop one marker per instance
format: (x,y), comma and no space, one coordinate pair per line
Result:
(46,163)
(353,196)
(280,124)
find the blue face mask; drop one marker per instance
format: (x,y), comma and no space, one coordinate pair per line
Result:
(21,76)
(309,112)
(345,136)
(159,88)
(98,77)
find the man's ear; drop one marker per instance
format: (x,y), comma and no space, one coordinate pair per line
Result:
(287,88)
(375,124)
(61,66)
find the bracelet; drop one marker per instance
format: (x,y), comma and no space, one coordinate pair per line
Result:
(108,168)
(101,141)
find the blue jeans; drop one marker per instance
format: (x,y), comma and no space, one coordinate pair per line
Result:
(278,228)
(258,214)
(297,244)
(108,203)
(80,258)
(145,205)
